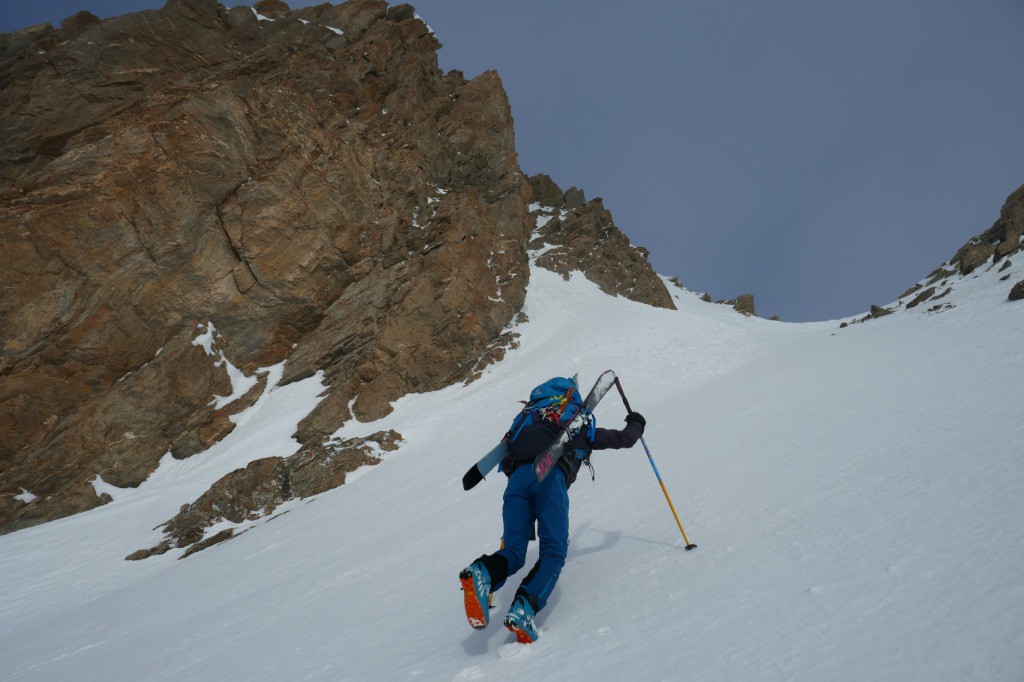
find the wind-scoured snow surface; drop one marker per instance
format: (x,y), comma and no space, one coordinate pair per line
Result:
(855,495)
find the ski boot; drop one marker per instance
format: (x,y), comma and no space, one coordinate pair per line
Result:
(476,591)
(520,619)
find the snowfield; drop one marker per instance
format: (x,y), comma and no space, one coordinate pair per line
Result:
(856,495)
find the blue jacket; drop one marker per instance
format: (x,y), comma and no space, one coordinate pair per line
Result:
(533,439)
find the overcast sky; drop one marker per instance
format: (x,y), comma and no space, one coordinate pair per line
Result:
(820,155)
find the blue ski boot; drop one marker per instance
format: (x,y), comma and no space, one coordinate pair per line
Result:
(476,591)
(519,619)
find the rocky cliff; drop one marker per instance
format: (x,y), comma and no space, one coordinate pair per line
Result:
(196,193)
(990,249)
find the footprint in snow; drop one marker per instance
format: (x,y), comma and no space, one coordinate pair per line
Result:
(514,650)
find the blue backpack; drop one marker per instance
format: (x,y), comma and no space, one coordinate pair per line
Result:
(553,403)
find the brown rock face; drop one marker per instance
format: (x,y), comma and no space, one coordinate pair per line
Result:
(999,241)
(586,239)
(333,200)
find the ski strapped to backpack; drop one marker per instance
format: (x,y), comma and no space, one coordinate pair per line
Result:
(478,471)
(547,460)
(559,395)
(554,400)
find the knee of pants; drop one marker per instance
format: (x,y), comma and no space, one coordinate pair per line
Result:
(553,554)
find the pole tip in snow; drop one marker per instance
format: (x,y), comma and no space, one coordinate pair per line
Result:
(689,547)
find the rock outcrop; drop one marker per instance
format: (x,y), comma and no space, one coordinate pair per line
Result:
(249,494)
(1017,292)
(309,181)
(581,235)
(1004,238)
(743,304)
(997,242)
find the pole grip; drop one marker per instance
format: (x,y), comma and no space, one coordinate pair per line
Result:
(625,400)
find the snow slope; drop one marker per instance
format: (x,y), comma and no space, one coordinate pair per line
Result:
(855,496)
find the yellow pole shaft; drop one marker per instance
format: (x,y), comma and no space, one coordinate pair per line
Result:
(673,508)
(657,473)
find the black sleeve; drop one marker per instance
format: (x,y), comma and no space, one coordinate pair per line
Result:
(605,439)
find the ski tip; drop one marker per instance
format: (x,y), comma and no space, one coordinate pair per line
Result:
(691,546)
(472,477)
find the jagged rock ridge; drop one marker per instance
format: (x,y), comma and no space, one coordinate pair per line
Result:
(582,236)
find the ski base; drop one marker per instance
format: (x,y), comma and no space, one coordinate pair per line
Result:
(547,460)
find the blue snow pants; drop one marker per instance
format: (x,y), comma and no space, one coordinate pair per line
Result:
(547,503)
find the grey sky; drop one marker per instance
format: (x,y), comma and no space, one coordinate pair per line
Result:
(820,155)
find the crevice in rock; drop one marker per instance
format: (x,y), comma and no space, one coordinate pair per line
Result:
(236,251)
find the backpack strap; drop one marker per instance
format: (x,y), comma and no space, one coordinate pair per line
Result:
(519,423)
(584,455)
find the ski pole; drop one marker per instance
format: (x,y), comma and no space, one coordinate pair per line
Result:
(650,459)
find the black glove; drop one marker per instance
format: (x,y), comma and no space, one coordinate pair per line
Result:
(636,417)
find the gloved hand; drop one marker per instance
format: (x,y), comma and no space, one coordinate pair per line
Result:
(636,417)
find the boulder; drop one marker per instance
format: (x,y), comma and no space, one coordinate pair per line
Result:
(745,304)
(878,311)
(1017,292)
